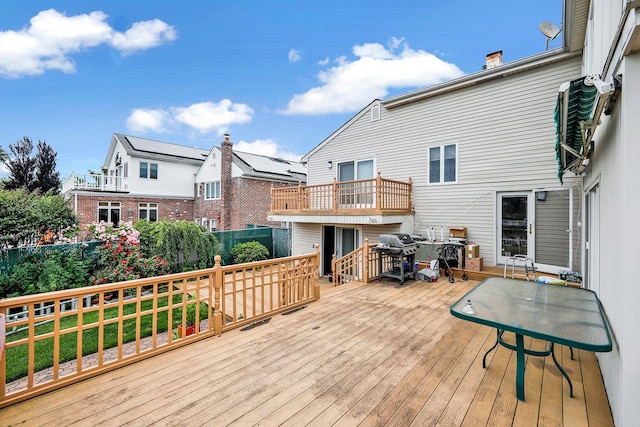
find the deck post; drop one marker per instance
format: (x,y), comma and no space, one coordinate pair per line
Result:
(218,282)
(378,194)
(365,259)
(335,194)
(300,198)
(316,271)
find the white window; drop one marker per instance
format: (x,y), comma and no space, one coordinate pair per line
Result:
(197,221)
(198,190)
(212,190)
(109,212)
(443,164)
(212,225)
(148,170)
(375,113)
(148,211)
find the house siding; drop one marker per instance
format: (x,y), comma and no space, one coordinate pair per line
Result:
(615,173)
(505,133)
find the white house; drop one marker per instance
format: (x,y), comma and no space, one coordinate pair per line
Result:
(538,156)
(477,152)
(147,179)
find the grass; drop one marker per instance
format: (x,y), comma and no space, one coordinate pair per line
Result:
(17,357)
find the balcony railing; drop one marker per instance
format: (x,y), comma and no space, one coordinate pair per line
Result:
(58,338)
(367,196)
(95,182)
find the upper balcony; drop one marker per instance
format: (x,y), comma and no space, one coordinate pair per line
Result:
(376,196)
(95,182)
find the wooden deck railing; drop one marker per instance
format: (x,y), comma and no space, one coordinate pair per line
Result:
(377,195)
(358,265)
(79,333)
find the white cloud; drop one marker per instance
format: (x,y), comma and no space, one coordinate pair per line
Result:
(265,147)
(295,55)
(143,35)
(143,120)
(324,61)
(52,37)
(204,117)
(349,85)
(210,116)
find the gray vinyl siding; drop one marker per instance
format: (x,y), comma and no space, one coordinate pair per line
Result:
(305,235)
(505,133)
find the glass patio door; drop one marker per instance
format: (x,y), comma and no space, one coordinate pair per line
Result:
(538,225)
(515,228)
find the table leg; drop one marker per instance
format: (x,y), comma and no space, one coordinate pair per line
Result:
(520,366)
(564,373)
(484,359)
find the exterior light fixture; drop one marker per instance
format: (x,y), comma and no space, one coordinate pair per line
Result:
(330,163)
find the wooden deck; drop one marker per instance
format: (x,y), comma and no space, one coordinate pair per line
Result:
(374,354)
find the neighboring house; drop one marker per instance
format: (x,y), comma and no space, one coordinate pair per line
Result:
(234,188)
(480,152)
(150,180)
(477,152)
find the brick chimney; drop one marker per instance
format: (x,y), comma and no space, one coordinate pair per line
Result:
(226,182)
(493,60)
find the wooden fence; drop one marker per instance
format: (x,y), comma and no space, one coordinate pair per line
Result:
(88,331)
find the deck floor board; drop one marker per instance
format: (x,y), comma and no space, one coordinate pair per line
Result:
(364,354)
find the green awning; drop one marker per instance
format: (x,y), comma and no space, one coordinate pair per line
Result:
(573,116)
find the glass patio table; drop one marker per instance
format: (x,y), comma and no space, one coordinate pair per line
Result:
(553,313)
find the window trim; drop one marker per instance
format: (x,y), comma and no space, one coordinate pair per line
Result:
(149,170)
(207,194)
(148,207)
(442,164)
(110,207)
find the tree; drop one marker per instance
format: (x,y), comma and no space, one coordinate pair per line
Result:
(21,166)
(47,179)
(26,217)
(4,156)
(33,173)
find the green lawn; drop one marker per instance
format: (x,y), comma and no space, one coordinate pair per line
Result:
(17,358)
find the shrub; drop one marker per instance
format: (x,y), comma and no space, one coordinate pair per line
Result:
(183,244)
(249,252)
(53,271)
(123,260)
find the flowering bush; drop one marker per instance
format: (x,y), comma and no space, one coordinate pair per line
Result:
(121,257)
(107,232)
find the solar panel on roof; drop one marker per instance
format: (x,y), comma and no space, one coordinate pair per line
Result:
(159,147)
(270,165)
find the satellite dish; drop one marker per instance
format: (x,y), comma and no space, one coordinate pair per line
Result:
(550,30)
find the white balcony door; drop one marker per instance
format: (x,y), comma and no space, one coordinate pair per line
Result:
(538,225)
(355,195)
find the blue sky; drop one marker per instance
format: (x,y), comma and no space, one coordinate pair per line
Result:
(278,76)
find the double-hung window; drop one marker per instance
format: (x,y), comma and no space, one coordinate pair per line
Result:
(212,190)
(443,164)
(148,170)
(109,212)
(148,211)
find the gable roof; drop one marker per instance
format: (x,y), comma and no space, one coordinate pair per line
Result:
(156,150)
(273,168)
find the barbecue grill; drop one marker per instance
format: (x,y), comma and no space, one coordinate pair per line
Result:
(398,250)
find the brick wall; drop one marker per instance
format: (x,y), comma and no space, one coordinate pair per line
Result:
(171,209)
